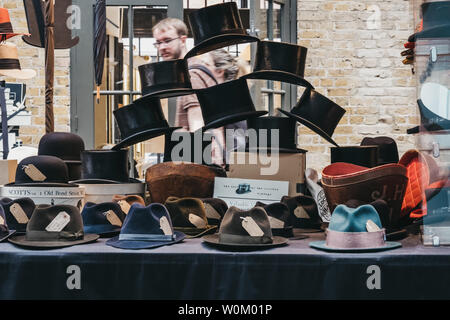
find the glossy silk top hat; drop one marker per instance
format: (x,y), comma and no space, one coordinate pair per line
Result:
(355,230)
(39,171)
(387,149)
(286,134)
(165,79)
(17,212)
(54,227)
(140,121)
(318,113)
(245,229)
(217,26)
(280,61)
(226,103)
(104,219)
(436,22)
(6,29)
(10,64)
(145,228)
(5,232)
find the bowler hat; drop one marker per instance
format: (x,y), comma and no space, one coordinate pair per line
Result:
(6,29)
(140,121)
(226,103)
(104,219)
(318,113)
(280,61)
(216,26)
(279,218)
(45,171)
(286,134)
(54,227)
(183,140)
(303,213)
(17,212)
(366,156)
(430,120)
(245,229)
(5,232)
(189,216)
(66,146)
(164,79)
(145,228)
(355,230)
(435,21)
(387,149)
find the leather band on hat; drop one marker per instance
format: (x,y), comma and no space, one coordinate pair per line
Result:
(63,235)
(6,27)
(355,240)
(9,64)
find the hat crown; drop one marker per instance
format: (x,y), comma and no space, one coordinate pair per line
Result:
(182,209)
(435,13)
(232,221)
(54,169)
(26,205)
(162,75)
(4,225)
(345,219)
(96,214)
(44,214)
(4,16)
(64,145)
(279,211)
(8,50)
(284,125)
(146,220)
(105,164)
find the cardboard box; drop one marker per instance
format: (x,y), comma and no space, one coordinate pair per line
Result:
(291,167)
(7,171)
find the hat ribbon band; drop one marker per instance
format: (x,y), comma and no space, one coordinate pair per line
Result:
(146,237)
(355,240)
(238,239)
(9,64)
(45,235)
(6,27)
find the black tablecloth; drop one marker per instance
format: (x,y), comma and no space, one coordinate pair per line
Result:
(194,270)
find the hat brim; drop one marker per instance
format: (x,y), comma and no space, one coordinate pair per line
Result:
(104,181)
(442,31)
(21,74)
(213,239)
(195,232)
(278,75)
(218,42)
(135,244)
(143,136)
(284,232)
(310,125)
(163,94)
(321,245)
(232,119)
(22,242)
(10,233)
(280,150)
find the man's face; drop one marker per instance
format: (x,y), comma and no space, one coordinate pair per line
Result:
(173,49)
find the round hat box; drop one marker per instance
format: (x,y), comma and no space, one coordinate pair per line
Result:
(102,192)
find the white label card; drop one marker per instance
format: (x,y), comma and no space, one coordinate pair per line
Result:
(197,221)
(165,226)
(301,213)
(58,224)
(112,217)
(211,212)
(372,226)
(34,173)
(276,223)
(125,206)
(251,227)
(18,213)
(2,221)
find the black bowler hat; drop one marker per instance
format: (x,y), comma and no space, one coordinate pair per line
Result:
(318,113)
(17,212)
(174,139)
(366,156)
(215,27)
(280,61)
(66,146)
(435,21)
(430,120)
(387,149)
(104,166)
(165,79)
(286,131)
(45,171)
(226,103)
(140,121)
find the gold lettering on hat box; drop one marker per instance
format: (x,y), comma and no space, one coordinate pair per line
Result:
(60,221)
(18,213)
(34,173)
(197,221)
(112,217)
(125,206)
(251,227)
(165,226)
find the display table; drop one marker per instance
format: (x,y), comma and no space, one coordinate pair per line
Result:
(193,270)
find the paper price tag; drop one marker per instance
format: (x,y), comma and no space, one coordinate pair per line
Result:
(197,221)
(372,226)
(301,213)
(58,224)
(2,221)
(34,173)
(276,223)
(251,227)
(112,217)
(18,213)
(211,212)
(165,226)
(125,206)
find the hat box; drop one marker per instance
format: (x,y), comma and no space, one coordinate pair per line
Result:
(101,192)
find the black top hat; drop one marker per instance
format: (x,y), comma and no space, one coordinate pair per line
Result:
(286,132)
(431,121)
(165,79)
(104,166)
(17,212)
(175,140)
(280,61)
(45,171)
(435,21)
(387,149)
(217,26)
(226,103)
(140,121)
(54,227)
(366,156)
(318,113)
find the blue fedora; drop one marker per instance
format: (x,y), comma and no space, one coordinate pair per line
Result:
(355,230)
(145,228)
(104,219)
(5,233)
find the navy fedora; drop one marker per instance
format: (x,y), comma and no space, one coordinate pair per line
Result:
(5,232)
(145,228)
(17,212)
(104,219)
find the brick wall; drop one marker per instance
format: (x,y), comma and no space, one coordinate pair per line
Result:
(34,58)
(354,59)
